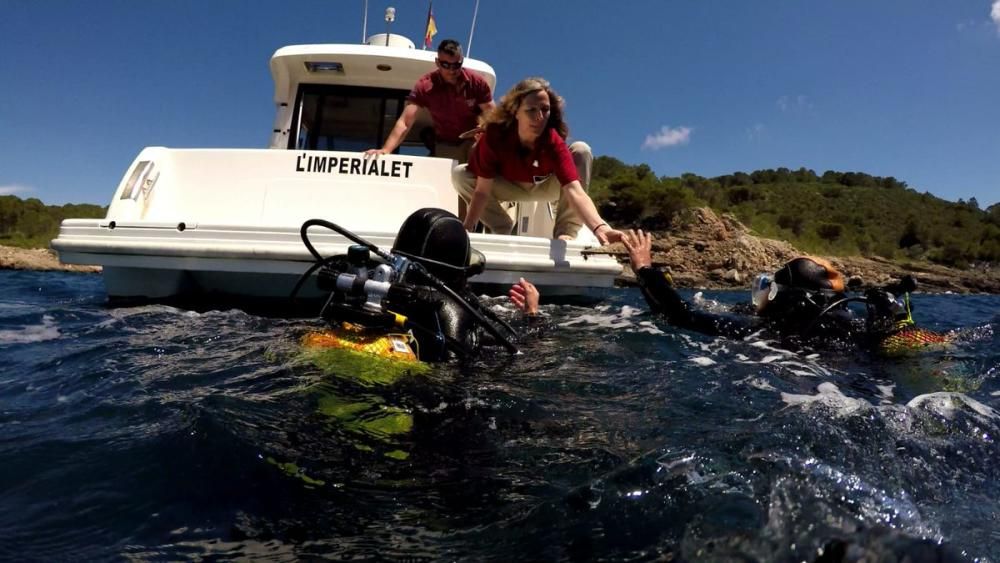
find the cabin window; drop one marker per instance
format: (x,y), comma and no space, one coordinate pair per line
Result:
(350,118)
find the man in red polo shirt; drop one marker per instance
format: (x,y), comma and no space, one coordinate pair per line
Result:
(454,97)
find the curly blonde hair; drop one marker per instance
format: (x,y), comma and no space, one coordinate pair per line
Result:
(504,114)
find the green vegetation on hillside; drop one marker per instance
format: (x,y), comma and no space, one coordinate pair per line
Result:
(837,214)
(29,223)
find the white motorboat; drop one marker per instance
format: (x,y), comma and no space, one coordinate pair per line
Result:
(193,222)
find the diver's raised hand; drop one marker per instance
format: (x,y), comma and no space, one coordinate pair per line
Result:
(640,249)
(524,295)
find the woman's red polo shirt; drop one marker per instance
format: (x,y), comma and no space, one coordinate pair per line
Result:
(499,153)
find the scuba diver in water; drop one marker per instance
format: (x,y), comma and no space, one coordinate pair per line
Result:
(388,314)
(412,302)
(804,302)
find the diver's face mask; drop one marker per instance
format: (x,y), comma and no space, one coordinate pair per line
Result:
(762,291)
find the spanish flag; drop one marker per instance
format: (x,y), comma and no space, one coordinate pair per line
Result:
(431,27)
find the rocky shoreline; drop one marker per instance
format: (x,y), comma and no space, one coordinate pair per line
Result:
(712,252)
(43,259)
(705,252)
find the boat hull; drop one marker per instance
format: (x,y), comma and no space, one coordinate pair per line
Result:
(195,222)
(161,262)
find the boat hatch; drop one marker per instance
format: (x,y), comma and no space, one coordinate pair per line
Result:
(324,66)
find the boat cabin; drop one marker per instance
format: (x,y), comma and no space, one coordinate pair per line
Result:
(348,97)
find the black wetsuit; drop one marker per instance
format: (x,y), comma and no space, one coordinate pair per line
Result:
(794,315)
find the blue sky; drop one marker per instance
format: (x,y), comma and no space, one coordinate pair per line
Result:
(904,88)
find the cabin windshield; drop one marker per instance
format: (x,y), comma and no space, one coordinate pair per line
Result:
(351,118)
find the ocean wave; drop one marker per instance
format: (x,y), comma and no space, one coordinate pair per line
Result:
(46,330)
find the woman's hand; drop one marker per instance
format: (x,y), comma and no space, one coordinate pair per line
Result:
(524,295)
(606,235)
(480,197)
(640,249)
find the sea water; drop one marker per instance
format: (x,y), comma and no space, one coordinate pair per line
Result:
(152,432)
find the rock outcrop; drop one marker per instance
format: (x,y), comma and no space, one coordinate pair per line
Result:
(12,258)
(713,252)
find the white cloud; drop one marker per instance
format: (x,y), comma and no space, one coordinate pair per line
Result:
(796,103)
(667,137)
(756,132)
(13,189)
(995,14)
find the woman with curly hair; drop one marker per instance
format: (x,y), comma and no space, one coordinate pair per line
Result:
(522,156)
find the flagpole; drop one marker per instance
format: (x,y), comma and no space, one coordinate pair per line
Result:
(468,46)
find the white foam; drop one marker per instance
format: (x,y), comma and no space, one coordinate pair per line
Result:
(708,304)
(673,463)
(599,321)
(886,390)
(72,397)
(32,333)
(757,383)
(808,370)
(829,396)
(649,327)
(703,361)
(605,317)
(628,311)
(947,403)
(765,345)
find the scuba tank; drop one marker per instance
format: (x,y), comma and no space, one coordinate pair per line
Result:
(889,327)
(890,320)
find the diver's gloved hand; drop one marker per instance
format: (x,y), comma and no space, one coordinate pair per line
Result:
(889,301)
(905,285)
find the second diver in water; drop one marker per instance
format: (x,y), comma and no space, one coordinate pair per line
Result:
(804,302)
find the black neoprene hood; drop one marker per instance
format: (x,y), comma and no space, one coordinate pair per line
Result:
(437,235)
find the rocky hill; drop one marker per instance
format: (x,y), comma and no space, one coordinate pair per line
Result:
(713,252)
